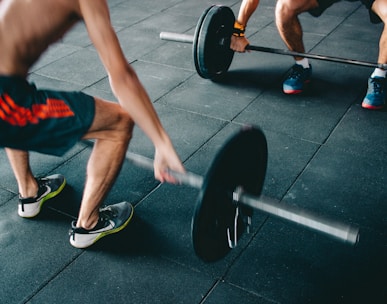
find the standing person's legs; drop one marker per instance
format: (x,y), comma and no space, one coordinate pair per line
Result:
(290,30)
(375,98)
(288,24)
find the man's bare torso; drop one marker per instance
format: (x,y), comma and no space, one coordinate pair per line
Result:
(28,27)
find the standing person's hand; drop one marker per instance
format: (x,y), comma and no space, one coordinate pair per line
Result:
(238,44)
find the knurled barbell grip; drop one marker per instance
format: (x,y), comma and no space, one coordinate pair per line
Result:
(188,178)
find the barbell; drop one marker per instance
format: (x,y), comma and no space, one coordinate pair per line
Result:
(231,190)
(211,44)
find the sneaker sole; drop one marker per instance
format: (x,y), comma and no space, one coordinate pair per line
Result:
(45,199)
(105,233)
(371,107)
(293,92)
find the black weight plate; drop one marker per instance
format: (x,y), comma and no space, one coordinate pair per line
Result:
(241,162)
(211,47)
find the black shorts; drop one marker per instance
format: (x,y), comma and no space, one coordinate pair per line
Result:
(45,121)
(324,4)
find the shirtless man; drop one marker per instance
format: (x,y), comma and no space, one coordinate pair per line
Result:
(289,27)
(52,122)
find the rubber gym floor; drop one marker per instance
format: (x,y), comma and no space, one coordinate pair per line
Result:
(325,154)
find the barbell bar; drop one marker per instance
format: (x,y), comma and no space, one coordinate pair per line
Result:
(231,190)
(269,205)
(211,44)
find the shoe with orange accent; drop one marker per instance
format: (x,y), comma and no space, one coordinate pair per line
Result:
(297,79)
(376,94)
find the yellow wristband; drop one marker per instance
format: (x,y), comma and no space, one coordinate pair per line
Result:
(239,30)
(239,26)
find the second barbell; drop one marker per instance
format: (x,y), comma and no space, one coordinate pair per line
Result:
(211,44)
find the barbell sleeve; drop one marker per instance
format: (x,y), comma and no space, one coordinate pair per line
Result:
(344,232)
(183,38)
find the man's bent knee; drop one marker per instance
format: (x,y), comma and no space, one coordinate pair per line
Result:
(111,122)
(290,8)
(379,9)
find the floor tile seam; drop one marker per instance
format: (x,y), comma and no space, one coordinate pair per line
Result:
(67,215)
(14,195)
(319,147)
(270,24)
(8,190)
(83,85)
(162,10)
(149,193)
(180,109)
(185,266)
(210,290)
(175,86)
(232,120)
(254,99)
(336,27)
(253,293)
(142,60)
(47,281)
(154,48)
(173,6)
(78,48)
(339,121)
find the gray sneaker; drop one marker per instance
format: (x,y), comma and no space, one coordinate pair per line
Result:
(112,219)
(49,187)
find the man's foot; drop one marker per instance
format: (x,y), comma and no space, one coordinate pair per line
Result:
(297,79)
(376,94)
(49,187)
(112,219)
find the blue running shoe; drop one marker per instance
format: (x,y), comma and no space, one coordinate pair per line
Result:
(376,94)
(297,79)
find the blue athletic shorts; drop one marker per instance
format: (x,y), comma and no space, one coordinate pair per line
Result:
(44,121)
